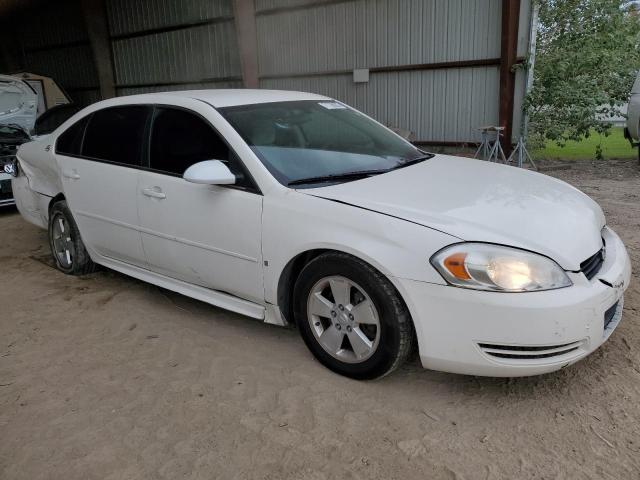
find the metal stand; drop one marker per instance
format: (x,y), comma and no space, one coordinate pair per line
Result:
(522,154)
(490,148)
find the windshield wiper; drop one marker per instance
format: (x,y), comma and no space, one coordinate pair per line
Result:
(338,176)
(413,161)
(359,174)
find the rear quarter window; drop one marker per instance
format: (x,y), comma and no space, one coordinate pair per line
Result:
(70,141)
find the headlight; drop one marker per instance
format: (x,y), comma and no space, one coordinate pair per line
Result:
(482,266)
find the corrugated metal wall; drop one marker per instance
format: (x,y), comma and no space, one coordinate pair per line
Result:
(55,43)
(376,33)
(169,45)
(326,42)
(126,16)
(436,105)
(157,45)
(310,45)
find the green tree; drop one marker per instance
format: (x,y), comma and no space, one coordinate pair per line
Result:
(588,56)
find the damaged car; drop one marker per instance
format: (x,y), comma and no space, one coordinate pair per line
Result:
(18,110)
(296,209)
(24,116)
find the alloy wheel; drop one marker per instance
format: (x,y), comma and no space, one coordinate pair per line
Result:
(63,246)
(344,319)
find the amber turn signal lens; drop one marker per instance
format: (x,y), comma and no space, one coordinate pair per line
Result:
(455,265)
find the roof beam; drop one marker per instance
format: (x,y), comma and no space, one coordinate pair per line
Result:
(245,22)
(508,60)
(95,15)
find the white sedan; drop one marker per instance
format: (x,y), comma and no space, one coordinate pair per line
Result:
(294,208)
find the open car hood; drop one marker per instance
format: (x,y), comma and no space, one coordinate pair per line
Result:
(484,202)
(18,103)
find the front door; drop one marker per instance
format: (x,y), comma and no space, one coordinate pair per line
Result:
(202,234)
(99,158)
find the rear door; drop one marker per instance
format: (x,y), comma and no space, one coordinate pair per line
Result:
(99,159)
(207,235)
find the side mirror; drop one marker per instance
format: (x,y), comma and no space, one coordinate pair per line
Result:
(209,172)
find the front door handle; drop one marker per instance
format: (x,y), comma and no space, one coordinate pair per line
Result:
(72,174)
(154,192)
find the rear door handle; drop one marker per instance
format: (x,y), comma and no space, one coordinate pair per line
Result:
(154,192)
(72,174)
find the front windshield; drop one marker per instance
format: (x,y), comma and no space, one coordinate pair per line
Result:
(308,143)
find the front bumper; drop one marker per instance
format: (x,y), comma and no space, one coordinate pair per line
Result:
(6,195)
(518,334)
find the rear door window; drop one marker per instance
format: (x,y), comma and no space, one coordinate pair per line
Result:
(117,134)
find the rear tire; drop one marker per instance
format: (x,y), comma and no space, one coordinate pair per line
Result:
(351,317)
(68,251)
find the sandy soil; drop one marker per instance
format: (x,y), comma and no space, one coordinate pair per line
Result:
(105,377)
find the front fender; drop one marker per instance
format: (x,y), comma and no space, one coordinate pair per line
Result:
(294,223)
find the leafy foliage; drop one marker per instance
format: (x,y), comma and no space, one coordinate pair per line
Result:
(588,57)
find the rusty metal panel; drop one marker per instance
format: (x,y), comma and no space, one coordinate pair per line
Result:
(127,16)
(191,55)
(376,33)
(436,105)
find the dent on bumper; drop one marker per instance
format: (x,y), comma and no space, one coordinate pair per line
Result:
(509,335)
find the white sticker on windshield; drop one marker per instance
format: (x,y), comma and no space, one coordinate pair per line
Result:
(332,105)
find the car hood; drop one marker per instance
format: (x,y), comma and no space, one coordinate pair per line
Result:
(485,202)
(18,103)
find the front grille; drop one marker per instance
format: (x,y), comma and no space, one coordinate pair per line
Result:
(5,190)
(591,266)
(523,352)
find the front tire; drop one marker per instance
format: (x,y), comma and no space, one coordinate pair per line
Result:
(68,251)
(351,317)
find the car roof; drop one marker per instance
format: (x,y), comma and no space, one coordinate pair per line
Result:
(226,97)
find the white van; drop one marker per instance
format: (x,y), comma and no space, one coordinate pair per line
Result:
(632,132)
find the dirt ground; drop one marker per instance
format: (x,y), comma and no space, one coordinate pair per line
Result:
(106,377)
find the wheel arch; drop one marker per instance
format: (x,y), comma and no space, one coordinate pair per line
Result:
(290,273)
(57,198)
(288,277)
